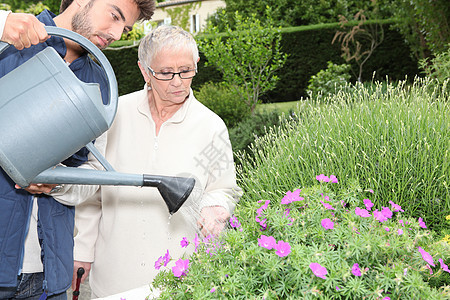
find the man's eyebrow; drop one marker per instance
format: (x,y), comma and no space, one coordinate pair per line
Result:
(129,28)
(119,11)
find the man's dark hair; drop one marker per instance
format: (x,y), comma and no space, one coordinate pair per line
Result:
(146,7)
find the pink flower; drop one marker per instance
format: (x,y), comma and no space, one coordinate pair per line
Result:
(422,223)
(212,290)
(318,270)
(322,178)
(387,229)
(429,269)
(379,216)
(426,256)
(401,222)
(386,212)
(443,265)
(196,242)
(283,249)
(370,191)
(267,242)
(368,204)
(181,267)
(362,212)
(292,196)
(327,223)
(162,261)
(333,179)
(400,231)
(327,206)
(184,242)
(234,222)
(355,270)
(386,298)
(395,207)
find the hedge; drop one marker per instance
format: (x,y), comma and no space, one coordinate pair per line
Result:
(309,49)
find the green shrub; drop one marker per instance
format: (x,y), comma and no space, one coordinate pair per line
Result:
(329,81)
(393,139)
(244,133)
(224,101)
(280,240)
(438,67)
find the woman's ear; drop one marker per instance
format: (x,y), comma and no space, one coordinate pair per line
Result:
(144,72)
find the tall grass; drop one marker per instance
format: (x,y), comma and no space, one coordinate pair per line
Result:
(391,139)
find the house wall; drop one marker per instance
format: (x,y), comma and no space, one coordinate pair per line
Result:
(201,11)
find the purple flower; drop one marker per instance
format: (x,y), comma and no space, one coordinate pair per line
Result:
(443,265)
(370,191)
(355,270)
(318,270)
(292,196)
(196,242)
(159,262)
(212,290)
(234,222)
(422,223)
(426,256)
(337,288)
(362,212)
(395,207)
(322,178)
(401,222)
(283,249)
(405,270)
(387,229)
(327,224)
(368,204)
(333,179)
(400,231)
(267,242)
(386,212)
(181,267)
(327,206)
(386,298)
(184,242)
(162,261)
(379,216)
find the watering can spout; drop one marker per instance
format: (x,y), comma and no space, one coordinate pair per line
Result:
(174,190)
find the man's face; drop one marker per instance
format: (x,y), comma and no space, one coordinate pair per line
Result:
(104,21)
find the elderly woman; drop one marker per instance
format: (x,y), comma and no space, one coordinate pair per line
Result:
(160,130)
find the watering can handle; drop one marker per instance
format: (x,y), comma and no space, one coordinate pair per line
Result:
(111,107)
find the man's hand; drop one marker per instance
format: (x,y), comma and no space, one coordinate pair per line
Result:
(80,264)
(23,30)
(213,220)
(38,188)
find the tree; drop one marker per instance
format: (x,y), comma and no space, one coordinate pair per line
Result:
(248,57)
(354,41)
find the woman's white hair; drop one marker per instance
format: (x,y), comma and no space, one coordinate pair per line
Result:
(166,37)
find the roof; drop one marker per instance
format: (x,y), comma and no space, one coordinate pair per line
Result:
(174,2)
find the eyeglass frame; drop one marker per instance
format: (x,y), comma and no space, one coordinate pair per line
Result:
(173,74)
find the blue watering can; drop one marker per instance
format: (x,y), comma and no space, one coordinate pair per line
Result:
(47,114)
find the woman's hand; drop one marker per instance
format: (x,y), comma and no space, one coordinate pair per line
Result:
(213,220)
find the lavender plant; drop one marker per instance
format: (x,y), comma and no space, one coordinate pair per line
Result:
(326,241)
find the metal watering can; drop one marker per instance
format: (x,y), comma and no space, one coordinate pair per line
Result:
(47,114)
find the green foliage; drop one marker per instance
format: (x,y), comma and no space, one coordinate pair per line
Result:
(247,57)
(424,24)
(236,266)
(180,15)
(36,8)
(288,13)
(392,139)
(244,133)
(329,81)
(438,67)
(224,101)
(309,49)
(135,34)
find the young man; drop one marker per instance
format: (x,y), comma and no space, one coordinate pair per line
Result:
(36,223)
